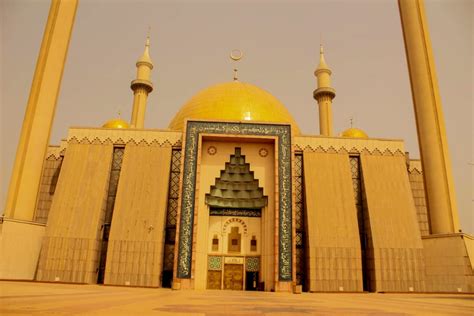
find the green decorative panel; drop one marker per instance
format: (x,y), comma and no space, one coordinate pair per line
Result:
(214,263)
(283,134)
(252,264)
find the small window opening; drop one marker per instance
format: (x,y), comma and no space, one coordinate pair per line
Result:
(215,243)
(234,240)
(253,244)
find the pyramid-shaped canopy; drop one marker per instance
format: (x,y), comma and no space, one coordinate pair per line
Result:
(236,187)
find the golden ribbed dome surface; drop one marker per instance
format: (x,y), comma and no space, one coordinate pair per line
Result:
(354,133)
(116,123)
(234,101)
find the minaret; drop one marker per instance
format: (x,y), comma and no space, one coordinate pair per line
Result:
(39,115)
(141,87)
(324,95)
(432,140)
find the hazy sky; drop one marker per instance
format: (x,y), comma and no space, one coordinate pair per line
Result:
(190,44)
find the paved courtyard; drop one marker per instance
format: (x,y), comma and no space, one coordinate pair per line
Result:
(28,298)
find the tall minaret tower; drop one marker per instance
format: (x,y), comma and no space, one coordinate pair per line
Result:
(324,95)
(141,87)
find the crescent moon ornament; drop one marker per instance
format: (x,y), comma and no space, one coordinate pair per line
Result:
(236,54)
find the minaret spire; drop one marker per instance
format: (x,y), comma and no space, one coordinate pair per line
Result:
(322,61)
(141,86)
(324,94)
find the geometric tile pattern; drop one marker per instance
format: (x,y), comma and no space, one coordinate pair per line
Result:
(173,194)
(356,183)
(168,258)
(252,264)
(299,221)
(363,221)
(214,263)
(113,182)
(172,211)
(418,191)
(49,179)
(116,167)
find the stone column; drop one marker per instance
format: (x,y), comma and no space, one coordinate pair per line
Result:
(432,140)
(39,115)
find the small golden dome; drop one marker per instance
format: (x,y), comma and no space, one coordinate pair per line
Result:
(116,123)
(354,133)
(234,101)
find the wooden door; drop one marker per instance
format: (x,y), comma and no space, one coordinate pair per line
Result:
(233,277)
(214,280)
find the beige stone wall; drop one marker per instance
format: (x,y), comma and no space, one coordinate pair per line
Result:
(70,249)
(415,175)
(469,242)
(397,256)
(449,263)
(136,241)
(20,244)
(333,251)
(208,170)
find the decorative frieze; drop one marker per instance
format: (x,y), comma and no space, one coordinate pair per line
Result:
(55,152)
(415,166)
(140,137)
(343,145)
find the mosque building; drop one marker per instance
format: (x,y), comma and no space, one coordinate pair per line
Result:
(231,195)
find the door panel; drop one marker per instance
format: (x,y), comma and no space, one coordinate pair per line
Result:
(233,277)
(214,280)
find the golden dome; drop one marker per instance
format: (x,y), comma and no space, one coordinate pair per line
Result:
(116,123)
(354,133)
(234,101)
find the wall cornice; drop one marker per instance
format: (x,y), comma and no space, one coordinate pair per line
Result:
(145,137)
(342,145)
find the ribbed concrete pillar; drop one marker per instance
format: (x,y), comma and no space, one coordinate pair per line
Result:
(435,159)
(39,115)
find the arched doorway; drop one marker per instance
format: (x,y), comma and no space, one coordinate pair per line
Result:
(235,204)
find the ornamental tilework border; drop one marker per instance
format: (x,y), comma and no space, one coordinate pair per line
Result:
(102,136)
(415,166)
(235,212)
(283,134)
(339,145)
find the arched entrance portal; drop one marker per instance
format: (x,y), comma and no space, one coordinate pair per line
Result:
(235,204)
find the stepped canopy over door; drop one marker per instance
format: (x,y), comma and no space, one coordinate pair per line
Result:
(237,187)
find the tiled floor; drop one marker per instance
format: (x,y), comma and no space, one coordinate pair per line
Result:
(27,298)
